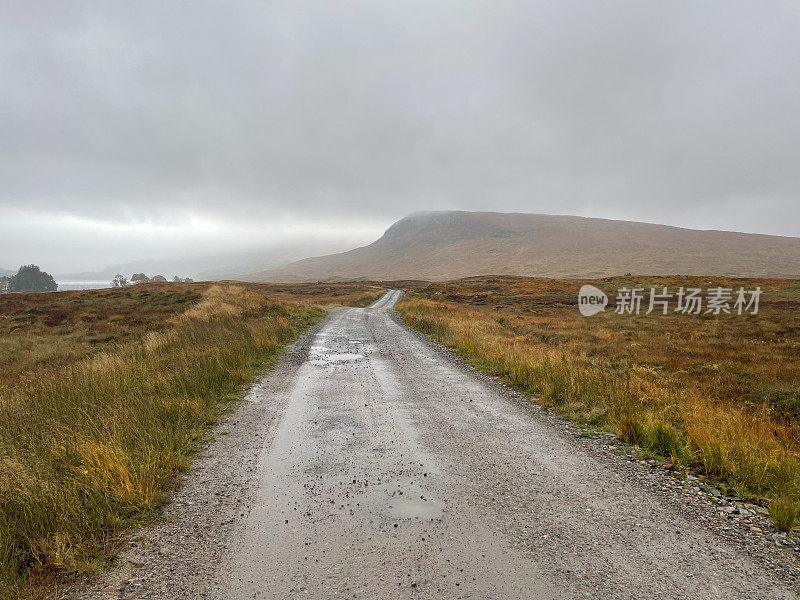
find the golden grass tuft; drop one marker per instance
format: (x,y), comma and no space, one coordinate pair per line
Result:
(784,511)
(745,449)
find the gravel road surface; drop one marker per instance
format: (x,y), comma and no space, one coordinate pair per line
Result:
(371,464)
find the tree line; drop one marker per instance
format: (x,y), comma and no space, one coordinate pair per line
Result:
(122,281)
(30,278)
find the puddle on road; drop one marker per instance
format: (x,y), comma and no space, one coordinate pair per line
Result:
(403,501)
(410,508)
(332,358)
(326,356)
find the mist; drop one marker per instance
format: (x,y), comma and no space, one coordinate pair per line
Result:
(152,131)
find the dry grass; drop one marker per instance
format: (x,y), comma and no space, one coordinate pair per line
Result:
(720,395)
(99,413)
(50,330)
(351,293)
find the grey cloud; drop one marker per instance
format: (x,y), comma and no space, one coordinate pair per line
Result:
(677,112)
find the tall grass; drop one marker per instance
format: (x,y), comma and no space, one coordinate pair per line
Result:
(87,449)
(740,447)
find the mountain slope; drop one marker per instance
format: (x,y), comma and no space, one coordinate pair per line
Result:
(449,245)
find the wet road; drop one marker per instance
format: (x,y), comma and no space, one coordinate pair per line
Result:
(392,472)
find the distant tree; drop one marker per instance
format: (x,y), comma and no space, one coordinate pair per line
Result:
(139,278)
(4,284)
(119,281)
(31,278)
(188,280)
(159,278)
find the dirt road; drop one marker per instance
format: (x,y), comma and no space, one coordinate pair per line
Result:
(373,465)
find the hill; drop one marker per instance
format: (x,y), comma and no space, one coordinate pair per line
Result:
(449,245)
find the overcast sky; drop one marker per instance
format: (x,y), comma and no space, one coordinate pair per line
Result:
(148,129)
